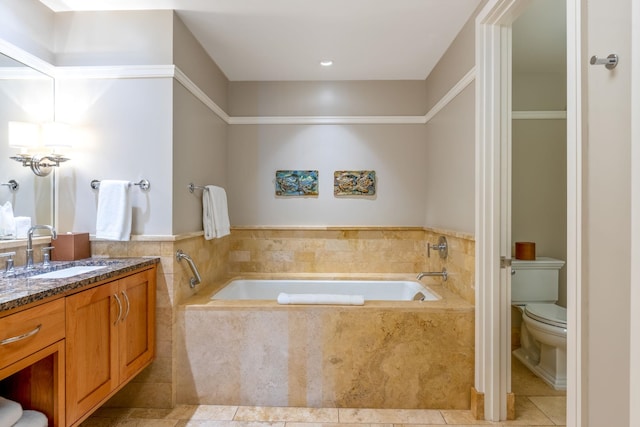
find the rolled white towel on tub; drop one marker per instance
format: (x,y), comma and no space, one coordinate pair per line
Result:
(10,412)
(329,299)
(32,419)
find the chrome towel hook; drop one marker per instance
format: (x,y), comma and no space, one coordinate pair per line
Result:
(609,62)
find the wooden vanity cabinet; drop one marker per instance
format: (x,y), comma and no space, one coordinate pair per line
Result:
(32,359)
(110,337)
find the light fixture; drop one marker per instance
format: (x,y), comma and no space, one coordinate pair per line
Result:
(326,63)
(28,136)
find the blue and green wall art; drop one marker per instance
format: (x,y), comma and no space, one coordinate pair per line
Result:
(296,183)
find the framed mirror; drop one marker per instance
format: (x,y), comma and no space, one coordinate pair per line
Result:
(26,95)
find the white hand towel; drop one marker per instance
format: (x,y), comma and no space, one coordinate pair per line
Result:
(10,412)
(32,419)
(330,299)
(114,211)
(23,224)
(215,214)
(7,221)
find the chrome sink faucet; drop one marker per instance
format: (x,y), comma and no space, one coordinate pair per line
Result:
(54,235)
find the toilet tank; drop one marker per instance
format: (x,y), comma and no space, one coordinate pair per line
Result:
(535,281)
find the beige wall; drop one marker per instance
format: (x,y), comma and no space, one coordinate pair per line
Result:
(606,217)
(191,58)
(449,164)
(327,98)
(539,167)
(539,189)
(199,156)
(395,152)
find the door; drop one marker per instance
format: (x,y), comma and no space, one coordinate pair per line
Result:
(137,327)
(91,342)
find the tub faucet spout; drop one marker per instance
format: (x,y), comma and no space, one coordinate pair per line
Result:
(54,235)
(442,274)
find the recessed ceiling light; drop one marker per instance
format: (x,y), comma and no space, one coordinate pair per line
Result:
(326,63)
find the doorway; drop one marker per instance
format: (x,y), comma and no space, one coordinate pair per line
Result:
(493,204)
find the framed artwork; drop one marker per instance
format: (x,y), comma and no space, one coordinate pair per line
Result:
(296,183)
(354,183)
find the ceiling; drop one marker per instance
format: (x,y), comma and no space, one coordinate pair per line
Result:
(271,40)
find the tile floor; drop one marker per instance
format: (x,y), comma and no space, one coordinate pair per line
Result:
(536,405)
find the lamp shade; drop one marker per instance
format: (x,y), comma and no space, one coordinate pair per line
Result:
(23,135)
(56,135)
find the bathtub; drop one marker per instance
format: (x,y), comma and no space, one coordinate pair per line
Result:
(370,290)
(239,347)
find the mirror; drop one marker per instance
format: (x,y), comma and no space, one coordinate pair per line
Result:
(26,95)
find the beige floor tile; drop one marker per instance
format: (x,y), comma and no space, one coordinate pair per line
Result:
(115,413)
(150,413)
(99,422)
(225,423)
(391,416)
(527,414)
(526,383)
(288,424)
(312,415)
(141,422)
(462,418)
(554,407)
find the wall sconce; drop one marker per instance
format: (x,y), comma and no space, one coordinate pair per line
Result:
(29,136)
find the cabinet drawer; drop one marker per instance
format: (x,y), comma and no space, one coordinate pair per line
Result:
(30,330)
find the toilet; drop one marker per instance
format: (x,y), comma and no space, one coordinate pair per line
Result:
(543,334)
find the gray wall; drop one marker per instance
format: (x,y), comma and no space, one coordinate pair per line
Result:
(450,163)
(327,98)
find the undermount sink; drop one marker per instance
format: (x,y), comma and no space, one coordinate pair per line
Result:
(68,272)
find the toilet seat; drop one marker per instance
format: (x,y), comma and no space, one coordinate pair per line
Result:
(550,314)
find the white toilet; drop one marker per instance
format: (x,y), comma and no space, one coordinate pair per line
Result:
(543,335)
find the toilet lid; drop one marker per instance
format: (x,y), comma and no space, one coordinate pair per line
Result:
(551,314)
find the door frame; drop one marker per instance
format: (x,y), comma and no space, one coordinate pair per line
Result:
(493,127)
(634,339)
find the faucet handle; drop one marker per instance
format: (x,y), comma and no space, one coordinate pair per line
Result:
(46,256)
(9,268)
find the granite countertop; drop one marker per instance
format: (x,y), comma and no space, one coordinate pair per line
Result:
(24,289)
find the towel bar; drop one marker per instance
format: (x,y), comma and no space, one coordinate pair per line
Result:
(192,187)
(143,183)
(12,184)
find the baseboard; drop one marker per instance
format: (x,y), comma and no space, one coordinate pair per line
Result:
(511,406)
(477,404)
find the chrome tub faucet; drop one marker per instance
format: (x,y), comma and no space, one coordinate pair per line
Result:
(442,274)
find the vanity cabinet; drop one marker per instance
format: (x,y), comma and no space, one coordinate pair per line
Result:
(110,337)
(32,359)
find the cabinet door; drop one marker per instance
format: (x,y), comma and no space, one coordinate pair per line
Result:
(137,327)
(91,353)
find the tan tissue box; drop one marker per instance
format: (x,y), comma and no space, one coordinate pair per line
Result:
(70,247)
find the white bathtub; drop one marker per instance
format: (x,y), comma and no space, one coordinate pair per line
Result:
(371,290)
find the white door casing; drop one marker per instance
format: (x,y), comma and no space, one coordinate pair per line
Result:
(493,136)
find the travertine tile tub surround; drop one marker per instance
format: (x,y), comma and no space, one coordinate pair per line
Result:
(407,354)
(386,355)
(353,250)
(260,250)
